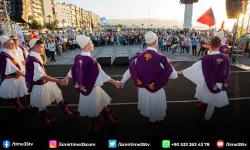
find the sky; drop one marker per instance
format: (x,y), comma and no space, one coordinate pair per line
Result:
(159,9)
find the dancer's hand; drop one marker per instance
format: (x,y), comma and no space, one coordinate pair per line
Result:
(179,72)
(121,84)
(118,84)
(63,82)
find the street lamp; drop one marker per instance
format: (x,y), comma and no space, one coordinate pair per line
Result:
(49,18)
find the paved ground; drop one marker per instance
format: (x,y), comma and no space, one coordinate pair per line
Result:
(230,123)
(129,51)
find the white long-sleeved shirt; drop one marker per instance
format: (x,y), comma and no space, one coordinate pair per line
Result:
(10,67)
(51,47)
(127,74)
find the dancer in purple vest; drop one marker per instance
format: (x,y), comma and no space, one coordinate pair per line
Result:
(10,72)
(88,77)
(211,75)
(150,72)
(224,46)
(21,59)
(43,89)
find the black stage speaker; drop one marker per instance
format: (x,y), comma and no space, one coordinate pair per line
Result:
(235,8)
(20,10)
(104,61)
(121,61)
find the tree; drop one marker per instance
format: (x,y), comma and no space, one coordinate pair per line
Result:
(52,26)
(119,26)
(35,24)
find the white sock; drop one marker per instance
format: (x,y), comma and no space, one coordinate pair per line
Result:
(209,112)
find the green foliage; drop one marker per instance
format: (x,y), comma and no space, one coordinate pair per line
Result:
(52,26)
(35,25)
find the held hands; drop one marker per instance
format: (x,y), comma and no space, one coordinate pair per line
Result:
(119,84)
(63,82)
(179,72)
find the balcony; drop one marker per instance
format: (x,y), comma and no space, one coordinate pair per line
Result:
(36,6)
(36,2)
(37,11)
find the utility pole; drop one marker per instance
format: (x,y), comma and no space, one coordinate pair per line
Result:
(148,18)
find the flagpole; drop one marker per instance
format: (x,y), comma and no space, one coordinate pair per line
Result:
(234,40)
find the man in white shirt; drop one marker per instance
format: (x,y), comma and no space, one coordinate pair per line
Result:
(21,54)
(43,89)
(150,72)
(88,77)
(10,72)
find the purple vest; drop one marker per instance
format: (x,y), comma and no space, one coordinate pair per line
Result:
(147,72)
(3,62)
(29,66)
(84,74)
(216,69)
(225,49)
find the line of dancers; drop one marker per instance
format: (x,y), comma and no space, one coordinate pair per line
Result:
(24,74)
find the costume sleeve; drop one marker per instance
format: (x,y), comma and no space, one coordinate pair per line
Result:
(194,73)
(38,72)
(126,76)
(174,74)
(10,67)
(70,74)
(102,75)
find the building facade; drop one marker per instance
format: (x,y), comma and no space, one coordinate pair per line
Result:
(69,15)
(63,14)
(37,11)
(47,6)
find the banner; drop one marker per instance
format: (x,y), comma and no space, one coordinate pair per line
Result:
(33,35)
(207,18)
(69,31)
(19,33)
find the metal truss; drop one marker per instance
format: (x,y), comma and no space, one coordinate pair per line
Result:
(241,34)
(7,27)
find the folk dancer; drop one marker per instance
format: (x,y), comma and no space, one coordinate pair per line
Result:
(211,75)
(150,72)
(224,46)
(10,72)
(88,77)
(21,59)
(43,89)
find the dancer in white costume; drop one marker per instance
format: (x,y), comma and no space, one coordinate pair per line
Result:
(88,77)
(43,89)
(151,71)
(10,72)
(211,75)
(21,59)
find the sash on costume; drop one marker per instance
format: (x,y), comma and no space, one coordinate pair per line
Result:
(216,69)
(84,74)
(3,56)
(30,73)
(147,72)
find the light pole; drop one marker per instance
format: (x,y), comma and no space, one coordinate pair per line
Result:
(49,18)
(148,18)
(63,21)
